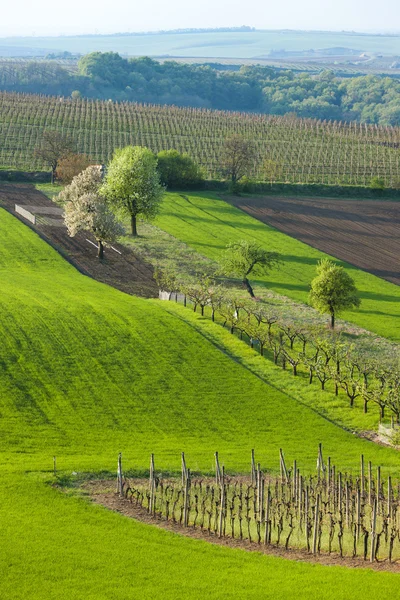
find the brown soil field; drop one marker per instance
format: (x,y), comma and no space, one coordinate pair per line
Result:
(364,233)
(122,270)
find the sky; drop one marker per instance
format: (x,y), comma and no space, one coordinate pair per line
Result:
(44,17)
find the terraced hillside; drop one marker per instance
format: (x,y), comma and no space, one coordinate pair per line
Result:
(297,150)
(87,371)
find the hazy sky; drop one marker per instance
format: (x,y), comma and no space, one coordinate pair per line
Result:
(45,17)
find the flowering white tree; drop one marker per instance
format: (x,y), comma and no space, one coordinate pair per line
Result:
(86,210)
(90,212)
(87,182)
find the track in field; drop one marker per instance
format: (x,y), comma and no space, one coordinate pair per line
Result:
(122,270)
(364,233)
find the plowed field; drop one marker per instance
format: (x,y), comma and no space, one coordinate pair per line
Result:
(364,233)
(120,268)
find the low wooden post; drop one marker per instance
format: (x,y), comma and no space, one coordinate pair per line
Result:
(120,483)
(253,468)
(284,472)
(184,469)
(186,499)
(362,476)
(316,524)
(152,485)
(217,470)
(222,507)
(389,498)
(267,511)
(358,513)
(370,483)
(373,532)
(55,466)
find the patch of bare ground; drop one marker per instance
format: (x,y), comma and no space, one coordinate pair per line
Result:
(121,267)
(102,492)
(364,233)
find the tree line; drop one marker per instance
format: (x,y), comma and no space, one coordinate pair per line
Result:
(367,99)
(323,356)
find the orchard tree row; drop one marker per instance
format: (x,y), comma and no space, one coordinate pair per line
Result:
(317,354)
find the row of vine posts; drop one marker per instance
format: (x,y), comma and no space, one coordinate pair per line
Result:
(329,512)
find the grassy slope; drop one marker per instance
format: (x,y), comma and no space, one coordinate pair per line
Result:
(87,371)
(207,224)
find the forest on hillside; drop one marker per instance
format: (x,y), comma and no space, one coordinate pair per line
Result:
(366,99)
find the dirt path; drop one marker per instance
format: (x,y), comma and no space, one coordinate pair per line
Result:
(364,233)
(121,268)
(100,493)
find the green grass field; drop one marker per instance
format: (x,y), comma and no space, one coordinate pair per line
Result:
(208,224)
(87,371)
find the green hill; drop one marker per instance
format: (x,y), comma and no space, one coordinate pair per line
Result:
(87,371)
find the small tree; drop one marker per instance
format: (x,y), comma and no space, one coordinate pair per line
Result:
(242,258)
(333,290)
(238,158)
(178,170)
(53,147)
(90,213)
(70,166)
(132,184)
(377,183)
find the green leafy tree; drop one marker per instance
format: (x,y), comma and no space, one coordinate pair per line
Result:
(243,258)
(132,184)
(178,170)
(377,183)
(333,290)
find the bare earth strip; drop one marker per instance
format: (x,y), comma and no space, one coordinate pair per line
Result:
(123,269)
(364,233)
(100,493)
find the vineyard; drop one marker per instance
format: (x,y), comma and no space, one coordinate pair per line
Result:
(329,512)
(288,149)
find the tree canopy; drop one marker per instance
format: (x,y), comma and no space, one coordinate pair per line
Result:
(85,209)
(333,290)
(243,257)
(132,184)
(368,99)
(178,170)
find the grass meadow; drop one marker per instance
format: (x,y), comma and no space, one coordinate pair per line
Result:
(208,224)
(86,372)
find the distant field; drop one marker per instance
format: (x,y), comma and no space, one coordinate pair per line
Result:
(207,223)
(365,233)
(212,44)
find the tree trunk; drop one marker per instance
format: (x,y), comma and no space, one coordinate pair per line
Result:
(133,225)
(100,251)
(53,172)
(248,287)
(332,320)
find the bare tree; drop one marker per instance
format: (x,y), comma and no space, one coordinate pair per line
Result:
(238,158)
(53,147)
